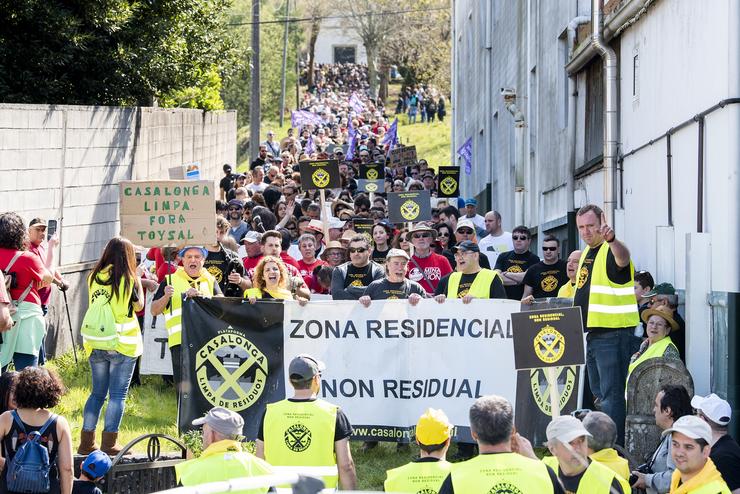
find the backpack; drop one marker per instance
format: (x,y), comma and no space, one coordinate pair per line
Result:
(28,471)
(99,328)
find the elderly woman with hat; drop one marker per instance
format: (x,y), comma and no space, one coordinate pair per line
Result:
(334,253)
(660,322)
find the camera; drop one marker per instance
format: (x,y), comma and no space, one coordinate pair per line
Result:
(644,468)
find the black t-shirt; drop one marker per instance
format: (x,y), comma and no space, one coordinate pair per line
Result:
(546,279)
(496,290)
(515,263)
(386,290)
(342,428)
(85,487)
(227,183)
(583,280)
(447,487)
(257,162)
(358,277)
(726,457)
(379,255)
(571,483)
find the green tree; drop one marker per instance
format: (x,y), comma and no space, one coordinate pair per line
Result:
(113,52)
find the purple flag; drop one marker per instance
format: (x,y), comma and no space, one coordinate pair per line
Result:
(356,104)
(466,153)
(300,118)
(310,146)
(352,137)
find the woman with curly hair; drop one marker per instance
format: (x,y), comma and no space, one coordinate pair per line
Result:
(271,281)
(112,360)
(36,391)
(22,342)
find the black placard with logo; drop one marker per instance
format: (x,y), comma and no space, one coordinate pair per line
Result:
(372,177)
(232,356)
(548,338)
(409,206)
(448,181)
(320,174)
(364,226)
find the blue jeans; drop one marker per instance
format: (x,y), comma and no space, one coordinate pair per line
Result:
(607,358)
(111,375)
(23,360)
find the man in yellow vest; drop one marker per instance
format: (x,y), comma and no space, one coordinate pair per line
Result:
(426,473)
(600,444)
(605,291)
(579,474)
(469,280)
(571,268)
(506,462)
(304,431)
(223,457)
(189,280)
(695,471)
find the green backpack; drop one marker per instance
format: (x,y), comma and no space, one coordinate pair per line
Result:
(99,329)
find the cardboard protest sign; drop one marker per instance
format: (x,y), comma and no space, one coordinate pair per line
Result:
(372,177)
(449,181)
(192,171)
(548,338)
(168,212)
(395,155)
(321,174)
(408,155)
(409,206)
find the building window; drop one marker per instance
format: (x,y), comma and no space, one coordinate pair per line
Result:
(594,130)
(345,54)
(636,76)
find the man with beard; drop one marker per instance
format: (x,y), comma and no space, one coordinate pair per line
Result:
(239,227)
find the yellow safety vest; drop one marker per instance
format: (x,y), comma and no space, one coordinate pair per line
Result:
(714,487)
(707,481)
(611,459)
(222,461)
(567,290)
(418,476)
(301,433)
(597,478)
(610,305)
(480,288)
(501,472)
(656,350)
(279,294)
(181,282)
(128,332)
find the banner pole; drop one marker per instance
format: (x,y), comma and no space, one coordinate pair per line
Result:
(552,380)
(324,219)
(410,225)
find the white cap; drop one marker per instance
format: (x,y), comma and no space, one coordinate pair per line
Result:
(691,426)
(397,253)
(462,223)
(565,428)
(714,408)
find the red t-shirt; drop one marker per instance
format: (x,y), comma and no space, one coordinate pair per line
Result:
(40,250)
(435,268)
(306,270)
(287,259)
(28,269)
(162,267)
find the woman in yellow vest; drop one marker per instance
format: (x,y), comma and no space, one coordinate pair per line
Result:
(112,357)
(270,281)
(660,323)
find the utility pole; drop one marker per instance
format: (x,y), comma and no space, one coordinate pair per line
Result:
(254,101)
(285,63)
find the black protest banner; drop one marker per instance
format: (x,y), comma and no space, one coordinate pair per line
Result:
(449,181)
(321,174)
(548,338)
(409,206)
(372,177)
(364,226)
(232,357)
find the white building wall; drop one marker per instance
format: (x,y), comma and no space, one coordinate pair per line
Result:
(334,32)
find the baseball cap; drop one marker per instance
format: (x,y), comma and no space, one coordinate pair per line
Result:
(422,227)
(202,250)
(465,246)
(304,367)
(399,253)
(222,420)
(465,224)
(96,464)
(227,167)
(37,222)
(471,202)
(565,428)
(714,408)
(433,427)
(691,426)
(252,237)
(316,226)
(236,202)
(661,289)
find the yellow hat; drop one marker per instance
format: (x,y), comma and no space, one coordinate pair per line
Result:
(433,427)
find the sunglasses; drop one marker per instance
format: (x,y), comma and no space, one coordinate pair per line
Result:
(353,250)
(235,209)
(444,234)
(465,231)
(552,249)
(422,235)
(519,237)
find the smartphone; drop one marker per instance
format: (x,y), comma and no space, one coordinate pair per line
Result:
(51,228)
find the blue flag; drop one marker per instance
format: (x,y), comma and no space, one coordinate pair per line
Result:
(391,137)
(310,146)
(356,104)
(352,138)
(466,153)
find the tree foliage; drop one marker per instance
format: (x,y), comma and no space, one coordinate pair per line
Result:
(114,52)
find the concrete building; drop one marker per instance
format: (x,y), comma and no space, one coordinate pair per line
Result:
(529,88)
(338,42)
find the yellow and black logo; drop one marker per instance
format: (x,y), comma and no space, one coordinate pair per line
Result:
(231,371)
(371,186)
(216,272)
(426,491)
(320,178)
(515,268)
(549,283)
(582,276)
(372,174)
(541,387)
(297,438)
(504,488)
(448,185)
(549,345)
(410,210)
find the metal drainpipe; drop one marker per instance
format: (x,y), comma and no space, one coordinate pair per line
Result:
(700,179)
(519,158)
(669,175)
(611,115)
(572,98)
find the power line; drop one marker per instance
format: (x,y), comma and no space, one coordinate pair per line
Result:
(348,16)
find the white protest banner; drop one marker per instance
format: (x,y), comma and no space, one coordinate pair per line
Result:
(156,358)
(387,363)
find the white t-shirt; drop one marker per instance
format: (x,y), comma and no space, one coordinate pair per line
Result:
(256,188)
(493,246)
(478,221)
